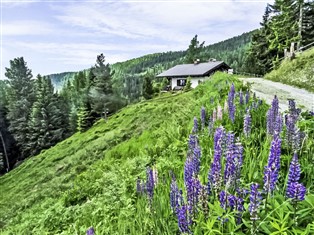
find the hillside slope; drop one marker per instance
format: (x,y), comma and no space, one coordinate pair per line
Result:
(78,182)
(298,72)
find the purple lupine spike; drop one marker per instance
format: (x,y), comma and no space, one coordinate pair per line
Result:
(230,168)
(238,161)
(223,199)
(241,98)
(231,105)
(203,117)
(278,125)
(193,194)
(214,174)
(271,171)
(204,200)
(183,220)
(294,175)
(255,200)
(195,126)
(192,141)
(272,116)
(90,231)
(247,97)
(175,195)
(247,124)
(296,192)
(150,184)
(232,201)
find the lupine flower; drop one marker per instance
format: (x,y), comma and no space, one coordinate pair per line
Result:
(90,231)
(150,184)
(231,105)
(214,175)
(219,112)
(255,200)
(296,191)
(192,141)
(247,97)
(294,174)
(195,126)
(241,98)
(183,220)
(247,124)
(176,198)
(238,160)
(203,117)
(278,125)
(230,168)
(272,116)
(193,189)
(204,199)
(223,199)
(271,171)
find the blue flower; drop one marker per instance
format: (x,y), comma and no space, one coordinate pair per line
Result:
(203,117)
(296,191)
(247,124)
(90,231)
(255,200)
(271,171)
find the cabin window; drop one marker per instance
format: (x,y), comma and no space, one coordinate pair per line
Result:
(181,82)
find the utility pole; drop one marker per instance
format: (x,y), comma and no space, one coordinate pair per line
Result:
(301,2)
(5,152)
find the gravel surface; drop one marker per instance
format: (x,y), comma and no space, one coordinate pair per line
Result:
(266,89)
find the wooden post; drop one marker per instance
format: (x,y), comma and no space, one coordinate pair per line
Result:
(5,152)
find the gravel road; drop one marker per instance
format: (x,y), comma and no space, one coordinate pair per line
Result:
(266,89)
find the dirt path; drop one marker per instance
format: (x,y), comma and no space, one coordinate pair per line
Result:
(266,89)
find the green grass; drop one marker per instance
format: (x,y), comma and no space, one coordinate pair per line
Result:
(89,178)
(298,72)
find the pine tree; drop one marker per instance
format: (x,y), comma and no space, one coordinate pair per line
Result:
(194,50)
(20,100)
(48,122)
(82,119)
(148,88)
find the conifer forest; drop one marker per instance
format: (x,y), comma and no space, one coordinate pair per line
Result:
(111,150)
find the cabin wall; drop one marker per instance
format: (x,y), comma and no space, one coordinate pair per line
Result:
(195,81)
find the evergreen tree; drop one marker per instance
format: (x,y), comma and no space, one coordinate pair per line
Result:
(20,100)
(48,121)
(194,50)
(148,88)
(82,119)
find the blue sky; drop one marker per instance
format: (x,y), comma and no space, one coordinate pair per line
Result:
(58,36)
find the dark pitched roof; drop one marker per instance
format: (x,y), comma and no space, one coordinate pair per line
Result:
(200,69)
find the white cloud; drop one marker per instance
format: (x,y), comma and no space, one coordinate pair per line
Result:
(27,27)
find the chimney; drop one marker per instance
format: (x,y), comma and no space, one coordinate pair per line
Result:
(197,61)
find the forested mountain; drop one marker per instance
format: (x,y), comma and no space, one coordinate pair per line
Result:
(232,51)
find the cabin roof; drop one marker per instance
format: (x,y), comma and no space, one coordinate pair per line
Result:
(193,70)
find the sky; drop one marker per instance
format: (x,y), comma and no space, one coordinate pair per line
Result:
(57,36)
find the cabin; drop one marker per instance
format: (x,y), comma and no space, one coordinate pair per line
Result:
(197,72)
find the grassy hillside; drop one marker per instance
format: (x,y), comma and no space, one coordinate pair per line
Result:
(90,178)
(76,183)
(298,72)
